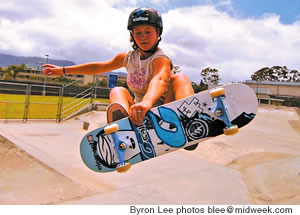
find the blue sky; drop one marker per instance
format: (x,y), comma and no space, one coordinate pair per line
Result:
(237,37)
(289,10)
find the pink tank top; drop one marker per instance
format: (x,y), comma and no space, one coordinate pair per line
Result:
(140,73)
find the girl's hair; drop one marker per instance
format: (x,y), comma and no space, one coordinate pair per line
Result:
(132,42)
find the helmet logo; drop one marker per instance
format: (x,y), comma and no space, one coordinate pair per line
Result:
(140,12)
(140,19)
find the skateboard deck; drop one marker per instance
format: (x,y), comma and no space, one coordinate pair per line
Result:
(166,128)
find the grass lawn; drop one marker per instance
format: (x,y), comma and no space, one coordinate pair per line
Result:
(40,107)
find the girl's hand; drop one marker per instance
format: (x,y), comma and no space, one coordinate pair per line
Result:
(52,70)
(138,111)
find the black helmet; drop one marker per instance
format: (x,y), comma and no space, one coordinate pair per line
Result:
(145,15)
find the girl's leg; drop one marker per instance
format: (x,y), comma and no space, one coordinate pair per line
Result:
(180,87)
(120,101)
(122,96)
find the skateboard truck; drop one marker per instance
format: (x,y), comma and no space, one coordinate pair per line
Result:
(221,112)
(120,147)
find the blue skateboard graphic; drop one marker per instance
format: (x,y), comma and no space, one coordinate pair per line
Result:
(169,127)
(172,138)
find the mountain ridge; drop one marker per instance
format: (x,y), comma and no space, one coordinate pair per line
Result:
(35,62)
(31,62)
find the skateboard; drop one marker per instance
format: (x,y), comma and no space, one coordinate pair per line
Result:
(180,124)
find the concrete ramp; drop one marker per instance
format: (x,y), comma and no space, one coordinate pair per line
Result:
(26,180)
(259,165)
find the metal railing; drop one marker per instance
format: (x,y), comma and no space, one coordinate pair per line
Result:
(70,105)
(22,101)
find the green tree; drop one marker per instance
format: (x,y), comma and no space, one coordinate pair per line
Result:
(276,73)
(266,74)
(103,83)
(62,79)
(198,88)
(210,76)
(122,83)
(282,73)
(12,71)
(176,69)
(294,76)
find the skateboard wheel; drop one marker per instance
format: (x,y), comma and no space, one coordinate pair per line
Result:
(123,167)
(217,92)
(111,129)
(231,131)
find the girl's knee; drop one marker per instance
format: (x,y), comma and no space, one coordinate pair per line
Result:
(117,90)
(181,78)
(182,86)
(122,96)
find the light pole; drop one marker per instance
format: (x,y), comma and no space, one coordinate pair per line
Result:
(40,70)
(44,89)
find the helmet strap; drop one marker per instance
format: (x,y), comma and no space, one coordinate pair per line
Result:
(154,48)
(133,43)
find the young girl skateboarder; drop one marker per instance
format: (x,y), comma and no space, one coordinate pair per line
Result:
(150,76)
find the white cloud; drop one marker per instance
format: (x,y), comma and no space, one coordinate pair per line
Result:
(201,36)
(195,37)
(76,30)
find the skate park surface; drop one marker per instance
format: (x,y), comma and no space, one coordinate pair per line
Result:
(41,164)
